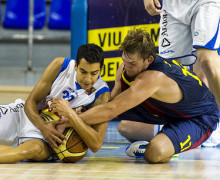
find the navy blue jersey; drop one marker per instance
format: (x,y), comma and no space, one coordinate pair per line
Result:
(197,99)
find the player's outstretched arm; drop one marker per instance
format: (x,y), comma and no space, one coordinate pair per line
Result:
(144,86)
(94,135)
(39,92)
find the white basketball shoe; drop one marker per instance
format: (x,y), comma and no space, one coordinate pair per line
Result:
(214,139)
(137,149)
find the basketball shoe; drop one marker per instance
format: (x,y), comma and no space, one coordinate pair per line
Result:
(137,149)
(214,139)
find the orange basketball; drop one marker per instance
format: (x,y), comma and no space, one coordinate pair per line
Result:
(74,148)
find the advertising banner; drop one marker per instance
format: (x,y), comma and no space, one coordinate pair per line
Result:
(108,24)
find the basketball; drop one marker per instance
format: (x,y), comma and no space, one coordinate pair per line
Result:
(74,148)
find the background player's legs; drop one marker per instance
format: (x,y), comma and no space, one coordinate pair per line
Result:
(134,131)
(210,64)
(160,149)
(36,150)
(199,72)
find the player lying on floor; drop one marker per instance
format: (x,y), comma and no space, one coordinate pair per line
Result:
(79,83)
(150,89)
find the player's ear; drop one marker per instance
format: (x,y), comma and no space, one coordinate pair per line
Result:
(150,59)
(75,67)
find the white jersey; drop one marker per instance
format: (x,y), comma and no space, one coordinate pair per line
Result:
(66,86)
(14,124)
(187,24)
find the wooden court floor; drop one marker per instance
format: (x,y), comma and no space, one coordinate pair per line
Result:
(111,162)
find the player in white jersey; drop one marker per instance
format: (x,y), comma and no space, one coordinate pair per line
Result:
(189,30)
(71,85)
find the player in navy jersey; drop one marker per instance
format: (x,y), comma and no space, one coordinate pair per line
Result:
(151,90)
(69,85)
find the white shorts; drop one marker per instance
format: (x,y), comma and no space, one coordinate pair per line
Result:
(157,129)
(15,127)
(187,24)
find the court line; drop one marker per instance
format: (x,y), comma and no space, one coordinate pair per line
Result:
(109,147)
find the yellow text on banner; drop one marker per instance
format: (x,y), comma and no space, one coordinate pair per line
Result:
(111,38)
(110,68)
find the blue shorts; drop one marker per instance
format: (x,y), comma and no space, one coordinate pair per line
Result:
(185,134)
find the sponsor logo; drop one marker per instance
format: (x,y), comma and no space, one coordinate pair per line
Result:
(71,90)
(168,51)
(3,110)
(90,91)
(196,33)
(199,36)
(165,42)
(164,24)
(164,33)
(16,108)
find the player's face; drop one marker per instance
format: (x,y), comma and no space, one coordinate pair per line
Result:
(87,73)
(133,64)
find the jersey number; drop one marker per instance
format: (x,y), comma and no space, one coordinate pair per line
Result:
(69,96)
(186,72)
(186,142)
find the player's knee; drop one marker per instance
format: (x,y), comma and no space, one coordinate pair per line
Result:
(123,128)
(40,152)
(155,153)
(32,152)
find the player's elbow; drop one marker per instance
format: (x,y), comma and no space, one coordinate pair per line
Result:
(95,145)
(95,148)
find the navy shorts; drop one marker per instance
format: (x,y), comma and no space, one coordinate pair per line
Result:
(185,134)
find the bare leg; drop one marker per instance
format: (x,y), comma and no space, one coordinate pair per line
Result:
(210,64)
(36,150)
(134,131)
(160,149)
(199,72)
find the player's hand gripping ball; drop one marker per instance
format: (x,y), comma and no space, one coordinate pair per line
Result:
(74,148)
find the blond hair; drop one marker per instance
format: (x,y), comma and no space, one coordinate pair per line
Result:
(139,40)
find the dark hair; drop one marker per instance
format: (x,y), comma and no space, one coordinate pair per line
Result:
(91,53)
(139,40)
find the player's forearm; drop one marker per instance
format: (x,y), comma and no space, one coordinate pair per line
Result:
(92,138)
(33,115)
(99,114)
